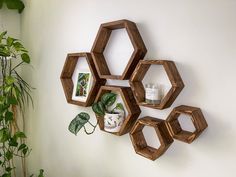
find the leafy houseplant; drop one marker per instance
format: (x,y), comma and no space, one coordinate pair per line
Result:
(102,109)
(113,117)
(14,96)
(13,4)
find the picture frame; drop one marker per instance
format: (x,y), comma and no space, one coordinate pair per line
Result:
(81,86)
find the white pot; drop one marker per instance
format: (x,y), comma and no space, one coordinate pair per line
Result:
(113,122)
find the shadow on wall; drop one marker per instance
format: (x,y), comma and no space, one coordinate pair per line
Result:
(151,45)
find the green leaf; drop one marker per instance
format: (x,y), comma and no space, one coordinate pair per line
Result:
(20,135)
(4,32)
(9,41)
(8,116)
(25,57)
(78,122)
(98,108)
(1,3)
(4,52)
(119,106)
(41,173)
(15,4)
(13,142)
(9,155)
(108,99)
(22,146)
(6,175)
(12,100)
(4,135)
(25,151)
(10,80)
(18,46)
(8,169)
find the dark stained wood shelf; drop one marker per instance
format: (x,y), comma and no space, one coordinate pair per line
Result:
(67,83)
(139,142)
(138,88)
(197,118)
(129,102)
(101,41)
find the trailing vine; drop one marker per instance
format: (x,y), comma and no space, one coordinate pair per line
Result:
(14,97)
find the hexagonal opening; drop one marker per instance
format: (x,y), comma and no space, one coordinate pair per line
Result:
(151,137)
(78,64)
(103,38)
(118,49)
(166,73)
(186,123)
(124,96)
(156,76)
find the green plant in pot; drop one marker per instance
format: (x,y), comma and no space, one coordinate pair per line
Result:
(14,98)
(113,117)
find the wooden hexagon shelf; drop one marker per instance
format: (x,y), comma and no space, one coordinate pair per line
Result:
(138,89)
(139,142)
(67,83)
(197,118)
(101,41)
(130,104)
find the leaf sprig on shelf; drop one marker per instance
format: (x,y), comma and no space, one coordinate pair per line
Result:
(107,100)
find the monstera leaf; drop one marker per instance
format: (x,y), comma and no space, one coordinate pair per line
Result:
(108,99)
(78,122)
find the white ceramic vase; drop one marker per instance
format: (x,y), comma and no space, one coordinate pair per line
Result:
(113,122)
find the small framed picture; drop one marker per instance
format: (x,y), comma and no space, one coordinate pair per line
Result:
(81,86)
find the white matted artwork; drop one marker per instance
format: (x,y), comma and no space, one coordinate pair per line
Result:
(81,86)
(82,67)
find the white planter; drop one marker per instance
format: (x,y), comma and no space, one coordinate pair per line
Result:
(113,122)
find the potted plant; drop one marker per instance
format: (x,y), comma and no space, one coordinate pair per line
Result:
(113,116)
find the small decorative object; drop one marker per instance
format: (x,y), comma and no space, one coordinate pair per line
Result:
(113,118)
(139,89)
(113,121)
(81,87)
(152,94)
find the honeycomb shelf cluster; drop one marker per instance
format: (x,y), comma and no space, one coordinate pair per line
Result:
(134,96)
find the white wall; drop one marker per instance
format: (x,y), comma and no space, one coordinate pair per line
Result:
(10,21)
(199,35)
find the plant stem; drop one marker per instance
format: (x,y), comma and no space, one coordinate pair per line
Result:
(94,127)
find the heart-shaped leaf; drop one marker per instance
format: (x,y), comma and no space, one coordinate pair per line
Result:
(78,122)
(10,80)
(99,108)
(25,57)
(108,99)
